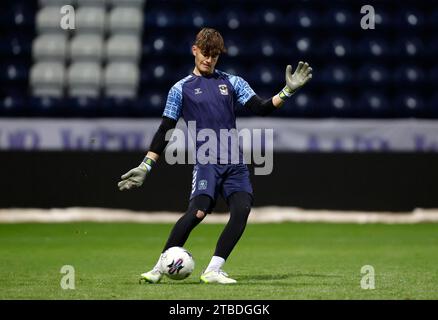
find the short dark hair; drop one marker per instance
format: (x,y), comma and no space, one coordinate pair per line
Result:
(210,42)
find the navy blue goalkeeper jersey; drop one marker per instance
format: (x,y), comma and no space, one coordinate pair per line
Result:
(211,102)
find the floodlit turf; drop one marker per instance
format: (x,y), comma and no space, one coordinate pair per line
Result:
(272,261)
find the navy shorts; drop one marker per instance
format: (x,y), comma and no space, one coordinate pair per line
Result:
(223,179)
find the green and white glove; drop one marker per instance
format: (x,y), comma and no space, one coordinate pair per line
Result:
(135,177)
(294,81)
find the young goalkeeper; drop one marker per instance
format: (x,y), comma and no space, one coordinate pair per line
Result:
(208,96)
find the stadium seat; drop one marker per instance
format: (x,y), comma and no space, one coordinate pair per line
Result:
(159,45)
(161,18)
(410,47)
(302,105)
(409,105)
(267,75)
(15,46)
(50,47)
(408,75)
(267,47)
(303,19)
(47,79)
(233,18)
(119,106)
(121,80)
(268,17)
(303,46)
(12,105)
(372,74)
(48,20)
(339,47)
(373,104)
(197,18)
(152,103)
(58,3)
(19,16)
(92,3)
(123,48)
(236,46)
(82,106)
(383,19)
(337,75)
(91,20)
(126,20)
(336,104)
(47,105)
(160,72)
(339,18)
(398,58)
(127,3)
(84,79)
(87,47)
(408,18)
(373,48)
(11,73)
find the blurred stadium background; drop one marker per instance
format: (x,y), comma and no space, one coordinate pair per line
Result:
(79,107)
(359,143)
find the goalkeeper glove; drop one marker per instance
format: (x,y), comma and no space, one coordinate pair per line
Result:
(135,177)
(294,81)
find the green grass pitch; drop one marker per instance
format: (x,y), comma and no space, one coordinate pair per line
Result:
(271,261)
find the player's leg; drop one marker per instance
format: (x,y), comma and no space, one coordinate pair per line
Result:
(240,207)
(237,190)
(202,200)
(199,206)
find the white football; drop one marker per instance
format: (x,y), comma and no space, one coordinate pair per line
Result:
(177,263)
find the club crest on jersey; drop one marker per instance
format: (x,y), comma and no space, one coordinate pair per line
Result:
(202,185)
(223,89)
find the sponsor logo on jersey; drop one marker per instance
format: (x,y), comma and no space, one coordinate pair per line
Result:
(198,91)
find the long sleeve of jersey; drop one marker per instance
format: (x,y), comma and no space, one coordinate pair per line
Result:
(259,106)
(159,142)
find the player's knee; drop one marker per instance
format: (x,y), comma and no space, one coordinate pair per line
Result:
(240,211)
(244,210)
(200,214)
(199,206)
(241,202)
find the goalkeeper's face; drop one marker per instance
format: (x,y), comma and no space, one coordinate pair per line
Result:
(204,64)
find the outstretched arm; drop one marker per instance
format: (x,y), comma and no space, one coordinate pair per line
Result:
(134,178)
(294,81)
